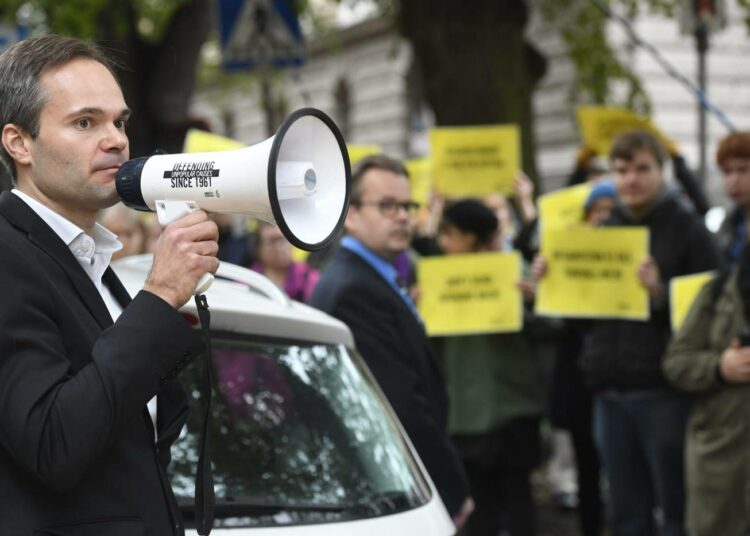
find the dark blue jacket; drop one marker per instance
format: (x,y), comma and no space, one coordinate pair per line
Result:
(396,349)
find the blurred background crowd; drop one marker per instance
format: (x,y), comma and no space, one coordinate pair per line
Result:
(635,426)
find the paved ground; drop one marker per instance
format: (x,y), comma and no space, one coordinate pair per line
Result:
(554,521)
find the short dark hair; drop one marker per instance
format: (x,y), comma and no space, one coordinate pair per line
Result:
(378,161)
(735,145)
(21,68)
(625,146)
(474,217)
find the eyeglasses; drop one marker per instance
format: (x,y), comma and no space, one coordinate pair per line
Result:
(389,209)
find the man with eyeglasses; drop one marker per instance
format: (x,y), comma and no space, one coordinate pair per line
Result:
(360,287)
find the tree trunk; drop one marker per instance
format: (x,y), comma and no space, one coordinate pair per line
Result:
(157,79)
(476,66)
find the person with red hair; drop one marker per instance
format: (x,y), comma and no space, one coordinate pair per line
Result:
(733,157)
(710,359)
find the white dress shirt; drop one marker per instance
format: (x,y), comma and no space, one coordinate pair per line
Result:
(92,252)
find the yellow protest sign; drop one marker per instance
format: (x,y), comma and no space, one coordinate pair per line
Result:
(600,125)
(469,294)
(358,152)
(200,141)
(475,161)
(682,293)
(299,255)
(420,178)
(563,208)
(592,273)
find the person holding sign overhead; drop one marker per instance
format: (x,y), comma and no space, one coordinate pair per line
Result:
(360,286)
(710,359)
(496,396)
(639,420)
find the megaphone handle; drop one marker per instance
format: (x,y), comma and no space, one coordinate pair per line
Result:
(204,282)
(169,211)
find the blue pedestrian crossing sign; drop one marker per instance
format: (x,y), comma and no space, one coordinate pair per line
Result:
(259,32)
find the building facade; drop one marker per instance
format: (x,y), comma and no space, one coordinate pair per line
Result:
(363,77)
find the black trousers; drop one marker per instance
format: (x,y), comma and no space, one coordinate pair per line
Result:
(499,466)
(588,478)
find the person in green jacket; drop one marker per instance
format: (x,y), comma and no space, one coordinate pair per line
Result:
(496,397)
(707,358)
(710,358)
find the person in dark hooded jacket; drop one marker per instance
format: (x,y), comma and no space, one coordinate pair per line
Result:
(639,420)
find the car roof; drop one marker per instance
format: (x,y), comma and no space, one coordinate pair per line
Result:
(244,301)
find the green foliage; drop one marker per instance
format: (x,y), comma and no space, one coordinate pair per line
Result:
(599,71)
(154,16)
(601,76)
(82,18)
(72,17)
(745,4)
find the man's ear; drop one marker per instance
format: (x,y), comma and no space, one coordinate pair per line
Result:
(16,143)
(351,218)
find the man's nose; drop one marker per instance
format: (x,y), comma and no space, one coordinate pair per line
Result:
(402,212)
(629,177)
(115,139)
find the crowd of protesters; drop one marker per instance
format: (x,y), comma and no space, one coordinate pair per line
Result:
(659,421)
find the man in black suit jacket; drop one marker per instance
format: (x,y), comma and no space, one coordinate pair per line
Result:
(359,287)
(80,453)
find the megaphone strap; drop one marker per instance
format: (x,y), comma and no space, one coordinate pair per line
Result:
(204,477)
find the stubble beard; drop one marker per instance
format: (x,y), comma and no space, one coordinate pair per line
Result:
(94,196)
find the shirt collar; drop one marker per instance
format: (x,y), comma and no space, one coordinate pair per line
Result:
(386,270)
(102,240)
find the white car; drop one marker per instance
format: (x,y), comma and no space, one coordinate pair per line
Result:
(303,441)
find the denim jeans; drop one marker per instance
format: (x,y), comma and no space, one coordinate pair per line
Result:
(640,436)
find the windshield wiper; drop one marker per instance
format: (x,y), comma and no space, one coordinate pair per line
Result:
(235,506)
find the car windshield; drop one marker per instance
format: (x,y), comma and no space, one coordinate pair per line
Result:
(298,435)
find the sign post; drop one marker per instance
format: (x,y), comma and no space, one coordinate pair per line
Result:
(260,34)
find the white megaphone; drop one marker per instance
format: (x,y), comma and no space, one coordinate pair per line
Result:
(299,179)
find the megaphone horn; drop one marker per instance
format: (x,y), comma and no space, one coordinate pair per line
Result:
(298,179)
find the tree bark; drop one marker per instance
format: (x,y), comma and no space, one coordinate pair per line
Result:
(157,79)
(476,66)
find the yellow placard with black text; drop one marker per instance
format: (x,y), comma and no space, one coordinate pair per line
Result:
(470,294)
(682,293)
(358,152)
(200,141)
(475,161)
(563,208)
(592,273)
(420,179)
(599,125)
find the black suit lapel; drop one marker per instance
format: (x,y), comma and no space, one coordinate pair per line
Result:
(406,314)
(20,215)
(412,331)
